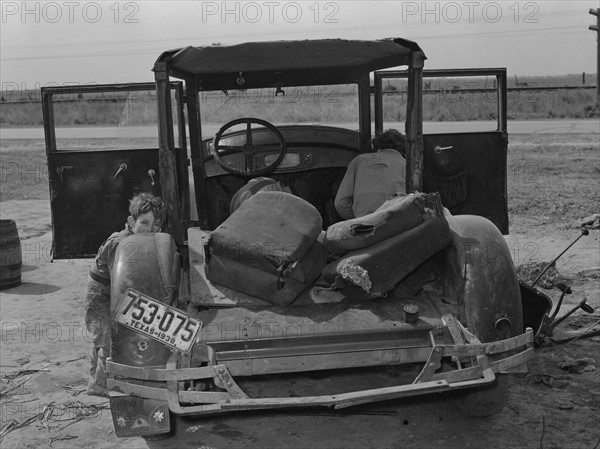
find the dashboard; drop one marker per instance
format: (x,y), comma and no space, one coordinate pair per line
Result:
(308,147)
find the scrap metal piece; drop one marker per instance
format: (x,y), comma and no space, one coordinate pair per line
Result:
(433,363)
(225,379)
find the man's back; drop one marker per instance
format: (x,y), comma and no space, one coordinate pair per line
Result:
(369,180)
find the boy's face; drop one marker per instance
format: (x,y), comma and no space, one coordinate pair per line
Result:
(144,223)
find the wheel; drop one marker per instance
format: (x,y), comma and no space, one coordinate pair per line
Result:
(249,148)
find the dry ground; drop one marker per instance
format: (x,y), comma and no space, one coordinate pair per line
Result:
(552,183)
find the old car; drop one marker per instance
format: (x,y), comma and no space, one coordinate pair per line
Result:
(184,344)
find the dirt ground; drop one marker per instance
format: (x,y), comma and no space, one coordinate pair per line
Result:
(43,371)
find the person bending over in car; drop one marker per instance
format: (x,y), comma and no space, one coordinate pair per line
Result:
(147,213)
(371,178)
(252,187)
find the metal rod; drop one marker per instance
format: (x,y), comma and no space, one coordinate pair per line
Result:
(584,231)
(558,306)
(581,305)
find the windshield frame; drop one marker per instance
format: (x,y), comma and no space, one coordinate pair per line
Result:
(389,53)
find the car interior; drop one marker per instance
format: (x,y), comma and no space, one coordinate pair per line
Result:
(313,166)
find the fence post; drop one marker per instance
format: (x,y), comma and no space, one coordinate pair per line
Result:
(596,13)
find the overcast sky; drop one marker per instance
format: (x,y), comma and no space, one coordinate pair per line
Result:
(66,42)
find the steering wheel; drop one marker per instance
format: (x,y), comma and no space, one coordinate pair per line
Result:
(249,148)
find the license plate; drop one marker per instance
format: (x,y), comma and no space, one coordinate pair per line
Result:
(163,323)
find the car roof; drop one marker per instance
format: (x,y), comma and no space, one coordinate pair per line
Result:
(284,63)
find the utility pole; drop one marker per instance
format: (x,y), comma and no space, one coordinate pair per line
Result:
(596,12)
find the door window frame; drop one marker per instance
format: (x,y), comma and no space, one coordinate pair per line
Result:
(48,93)
(498,73)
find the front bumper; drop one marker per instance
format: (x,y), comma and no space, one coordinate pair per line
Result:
(474,364)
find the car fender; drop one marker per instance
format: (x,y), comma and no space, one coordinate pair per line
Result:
(150,264)
(483,279)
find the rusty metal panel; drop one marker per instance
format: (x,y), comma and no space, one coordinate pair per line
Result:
(90,194)
(469,170)
(135,416)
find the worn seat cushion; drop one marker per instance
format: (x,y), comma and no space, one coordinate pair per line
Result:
(373,271)
(268,247)
(397,215)
(269,230)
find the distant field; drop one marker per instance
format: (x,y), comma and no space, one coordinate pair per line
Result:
(553,178)
(444,100)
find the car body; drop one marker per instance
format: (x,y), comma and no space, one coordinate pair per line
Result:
(470,331)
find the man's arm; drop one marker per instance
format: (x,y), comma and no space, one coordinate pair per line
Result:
(344,199)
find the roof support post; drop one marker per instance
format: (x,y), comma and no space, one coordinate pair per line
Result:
(364,112)
(182,160)
(414,124)
(167,163)
(378,102)
(195,129)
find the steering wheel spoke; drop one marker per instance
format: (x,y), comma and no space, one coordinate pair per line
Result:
(230,148)
(249,149)
(249,158)
(248,132)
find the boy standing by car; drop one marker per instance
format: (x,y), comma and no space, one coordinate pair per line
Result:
(371,178)
(146,214)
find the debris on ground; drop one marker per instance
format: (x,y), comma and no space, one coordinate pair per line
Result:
(592,272)
(591,222)
(545,379)
(566,406)
(54,415)
(8,381)
(12,386)
(23,372)
(529,272)
(578,365)
(62,362)
(65,438)
(72,389)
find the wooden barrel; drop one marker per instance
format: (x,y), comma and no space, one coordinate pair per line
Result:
(10,255)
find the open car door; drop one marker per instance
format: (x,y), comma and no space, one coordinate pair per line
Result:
(464,157)
(102,148)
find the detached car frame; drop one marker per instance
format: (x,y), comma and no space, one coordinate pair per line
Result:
(182,345)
